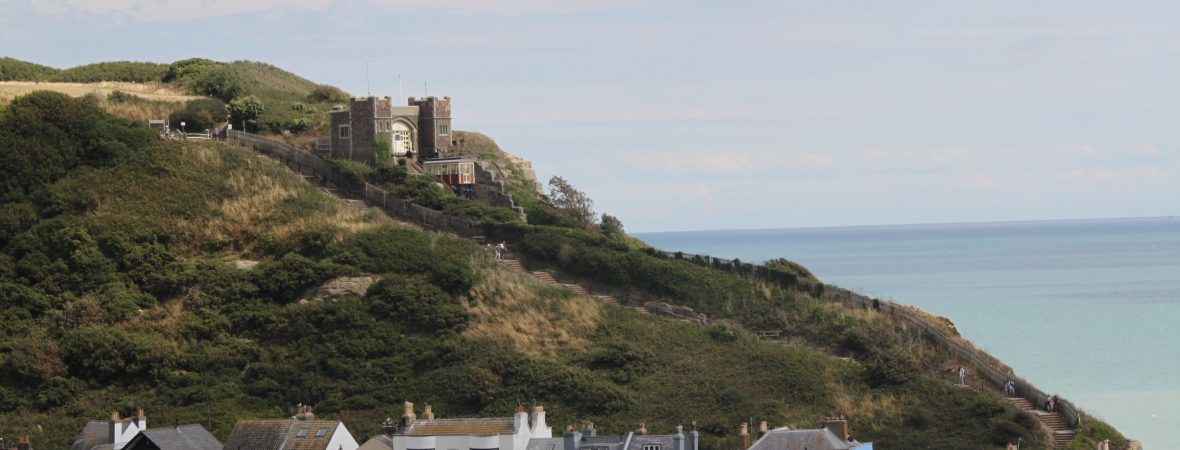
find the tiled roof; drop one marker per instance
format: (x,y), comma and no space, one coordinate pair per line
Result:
(665,441)
(188,437)
(461,427)
(784,439)
(282,434)
(258,434)
(312,439)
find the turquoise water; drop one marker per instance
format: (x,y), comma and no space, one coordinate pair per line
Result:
(1087,309)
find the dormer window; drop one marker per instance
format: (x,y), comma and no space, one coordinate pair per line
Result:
(651,446)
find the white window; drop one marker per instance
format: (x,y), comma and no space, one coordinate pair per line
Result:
(444,129)
(651,446)
(345,131)
(302,432)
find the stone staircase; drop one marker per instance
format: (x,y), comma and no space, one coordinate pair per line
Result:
(1054,421)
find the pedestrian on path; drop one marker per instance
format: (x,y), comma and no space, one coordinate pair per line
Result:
(962,375)
(499,251)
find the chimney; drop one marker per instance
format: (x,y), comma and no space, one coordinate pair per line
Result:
(762,429)
(572,439)
(305,413)
(428,413)
(678,438)
(177,424)
(693,437)
(744,435)
(115,428)
(520,420)
(540,429)
(588,429)
(641,428)
(408,415)
(24,443)
(838,426)
(139,419)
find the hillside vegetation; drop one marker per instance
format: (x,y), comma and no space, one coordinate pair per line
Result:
(118,290)
(289,103)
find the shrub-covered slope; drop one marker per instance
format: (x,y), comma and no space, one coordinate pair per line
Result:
(117,290)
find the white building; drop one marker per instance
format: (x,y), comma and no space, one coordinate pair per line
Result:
(429,433)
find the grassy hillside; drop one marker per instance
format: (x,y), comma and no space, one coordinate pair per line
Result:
(117,291)
(291,103)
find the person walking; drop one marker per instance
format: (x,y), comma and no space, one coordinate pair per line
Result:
(962,375)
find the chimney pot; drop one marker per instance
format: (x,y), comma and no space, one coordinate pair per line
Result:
(641,428)
(679,429)
(114,416)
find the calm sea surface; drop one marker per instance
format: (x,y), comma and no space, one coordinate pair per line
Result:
(1089,309)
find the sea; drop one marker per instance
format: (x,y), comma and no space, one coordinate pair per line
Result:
(1087,309)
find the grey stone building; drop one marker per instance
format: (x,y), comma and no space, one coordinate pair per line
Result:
(373,129)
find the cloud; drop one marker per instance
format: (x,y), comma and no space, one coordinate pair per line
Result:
(167,10)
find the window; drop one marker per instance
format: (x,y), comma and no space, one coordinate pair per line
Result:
(651,446)
(321,432)
(401,142)
(444,129)
(302,432)
(345,131)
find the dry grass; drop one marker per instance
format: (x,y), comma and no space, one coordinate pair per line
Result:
(538,320)
(254,196)
(149,91)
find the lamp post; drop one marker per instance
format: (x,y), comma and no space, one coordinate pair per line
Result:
(182,128)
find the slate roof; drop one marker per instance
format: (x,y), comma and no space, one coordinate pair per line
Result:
(665,441)
(784,439)
(96,435)
(609,442)
(281,434)
(461,427)
(187,437)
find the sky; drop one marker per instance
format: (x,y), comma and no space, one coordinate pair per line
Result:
(729,115)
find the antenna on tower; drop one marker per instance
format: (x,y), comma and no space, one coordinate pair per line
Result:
(368,87)
(399,87)
(425,90)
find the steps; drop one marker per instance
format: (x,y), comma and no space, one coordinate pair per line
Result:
(1055,421)
(545,277)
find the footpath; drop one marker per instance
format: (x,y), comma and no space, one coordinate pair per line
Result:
(1054,422)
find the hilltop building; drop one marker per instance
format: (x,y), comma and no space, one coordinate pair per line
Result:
(302,432)
(501,433)
(373,129)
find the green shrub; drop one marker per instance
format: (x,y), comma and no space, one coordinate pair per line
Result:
(200,114)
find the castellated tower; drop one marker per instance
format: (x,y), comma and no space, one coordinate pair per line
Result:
(434,122)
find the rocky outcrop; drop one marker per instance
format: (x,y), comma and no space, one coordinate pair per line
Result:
(339,287)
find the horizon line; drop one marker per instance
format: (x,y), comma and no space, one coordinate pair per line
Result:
(891,225)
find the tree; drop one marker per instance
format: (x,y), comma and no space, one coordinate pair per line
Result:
(611,224)
(570,201)
(200,114)
(246,110)
(218,81)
